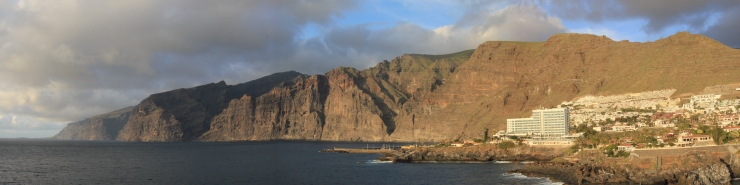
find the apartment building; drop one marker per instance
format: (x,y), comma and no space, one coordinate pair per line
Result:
(544,122)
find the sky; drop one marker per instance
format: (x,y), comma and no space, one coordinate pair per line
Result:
(65,60)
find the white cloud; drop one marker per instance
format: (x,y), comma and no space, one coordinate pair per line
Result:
(67,60)
(515,22)
(614,35)
(661,17)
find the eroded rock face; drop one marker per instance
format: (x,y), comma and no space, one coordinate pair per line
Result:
(179,115)
(332,107)
(293,111)
(352,113)
(187,114)
(235,123)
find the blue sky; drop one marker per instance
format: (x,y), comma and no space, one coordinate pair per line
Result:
(68,60)
(434,14)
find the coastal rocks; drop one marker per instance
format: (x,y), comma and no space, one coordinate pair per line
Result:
(563,172)
(712,174)
(431,155)
(600,174)
(480,153)
(697,167)
(573,173)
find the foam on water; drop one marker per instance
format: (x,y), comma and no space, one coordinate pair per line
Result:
(548,181)
(378,162)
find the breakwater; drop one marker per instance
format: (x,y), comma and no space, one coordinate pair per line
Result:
(361,150)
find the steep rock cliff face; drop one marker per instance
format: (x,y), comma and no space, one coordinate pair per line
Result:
(322,107)
(178,115)
(235,123)
(101,127)
(352,113)
(293,110)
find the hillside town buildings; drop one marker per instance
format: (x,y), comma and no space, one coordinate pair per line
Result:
(618,113)
(632,112)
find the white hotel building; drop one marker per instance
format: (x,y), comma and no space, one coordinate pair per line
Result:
(544,122)
(545,127)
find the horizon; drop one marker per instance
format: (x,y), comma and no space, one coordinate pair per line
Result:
(102,56)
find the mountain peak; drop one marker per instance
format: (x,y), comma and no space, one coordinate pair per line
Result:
(578,39)
(686,38)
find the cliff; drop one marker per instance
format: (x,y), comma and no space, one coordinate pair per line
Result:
(432,97)
(186,114)
(101,127)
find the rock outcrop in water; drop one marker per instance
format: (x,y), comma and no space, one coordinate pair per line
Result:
(429,97)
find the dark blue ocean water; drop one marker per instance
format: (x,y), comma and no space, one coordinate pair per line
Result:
(274,162)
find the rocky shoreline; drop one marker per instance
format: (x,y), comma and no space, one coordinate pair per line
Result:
(480,153)
(696,167)
(594,174)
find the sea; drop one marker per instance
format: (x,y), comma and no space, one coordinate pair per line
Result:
(36,161)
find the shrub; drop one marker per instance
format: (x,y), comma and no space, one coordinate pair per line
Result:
(622,153)
(558,160)
(506,145)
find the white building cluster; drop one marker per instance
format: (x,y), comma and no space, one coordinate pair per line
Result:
(623,113)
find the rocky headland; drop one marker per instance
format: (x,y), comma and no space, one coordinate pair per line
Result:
(421,97)
(100,127)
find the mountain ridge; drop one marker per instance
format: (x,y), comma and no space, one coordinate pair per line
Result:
(436,97)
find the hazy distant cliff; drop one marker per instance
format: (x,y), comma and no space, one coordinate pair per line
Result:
(427,97)
(186,114)
(100,127)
